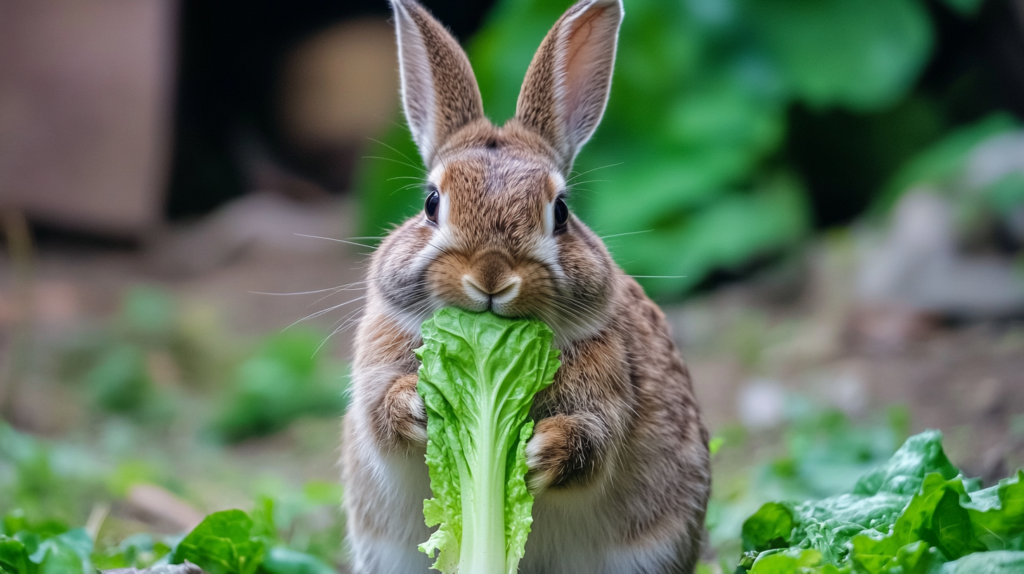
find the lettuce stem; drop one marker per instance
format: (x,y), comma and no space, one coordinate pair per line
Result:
(478,377)
(483,503)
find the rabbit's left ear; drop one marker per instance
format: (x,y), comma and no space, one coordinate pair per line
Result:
(439,91)
(566,87)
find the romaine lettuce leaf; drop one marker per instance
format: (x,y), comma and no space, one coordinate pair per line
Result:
(998,514)
(877,500)
(478,377)
(998,562)
(914,515)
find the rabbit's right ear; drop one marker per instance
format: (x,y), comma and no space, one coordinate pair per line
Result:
(567,83)
(439,92)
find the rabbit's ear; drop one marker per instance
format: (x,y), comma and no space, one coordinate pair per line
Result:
(566,86)
(439,92)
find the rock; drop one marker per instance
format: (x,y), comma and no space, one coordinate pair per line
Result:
(164,505)
(918,270)
(761,404)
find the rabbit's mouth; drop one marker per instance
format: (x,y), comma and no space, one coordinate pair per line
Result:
(497,298)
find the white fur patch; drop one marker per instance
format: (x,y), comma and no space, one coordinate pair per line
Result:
(398,487)
(545,247)
(506,293)
(559,181)
(475,292)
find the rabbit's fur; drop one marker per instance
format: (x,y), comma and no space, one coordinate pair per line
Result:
(619,458)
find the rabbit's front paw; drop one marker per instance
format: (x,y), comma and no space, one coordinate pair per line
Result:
(404,413)
(549,453)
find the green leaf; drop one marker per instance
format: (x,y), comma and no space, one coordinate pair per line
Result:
(14,556)
(943,162)
(136,551)
(682,247)
(770,527)
(905,472)
(66,553)
(222,544)
(791,562)
(965,7)
(997,513)
(997,562)
(148,311)
(1007,193)
(935,516)
(280,383)
(285,561)
(120,381)
(909,516)
(478,377)
(862,54)
(878,501)
(386,182)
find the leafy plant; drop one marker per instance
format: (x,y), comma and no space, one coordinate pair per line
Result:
(284,380)
(305,521)
(44,548)
(946,168)
(222,544)
(914,514)
(227,542)
(231,542)
(136,551)
(478,377)
(45,482)
(127,366)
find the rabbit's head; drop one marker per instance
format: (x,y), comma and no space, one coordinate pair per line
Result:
(495,232)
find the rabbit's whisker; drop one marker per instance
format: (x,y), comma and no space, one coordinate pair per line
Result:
(603,237)
(392,159)
(393,148)
(323,311)
(594,169)
(335,240)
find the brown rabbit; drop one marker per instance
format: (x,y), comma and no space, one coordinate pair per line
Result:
(619,458)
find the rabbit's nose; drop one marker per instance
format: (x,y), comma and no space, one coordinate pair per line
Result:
(495,296)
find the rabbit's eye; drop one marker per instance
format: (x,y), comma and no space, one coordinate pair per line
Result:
(430,208)
(561,215)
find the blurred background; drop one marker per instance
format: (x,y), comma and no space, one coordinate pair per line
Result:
(826,197)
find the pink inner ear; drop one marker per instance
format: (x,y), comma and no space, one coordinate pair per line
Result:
(589,51)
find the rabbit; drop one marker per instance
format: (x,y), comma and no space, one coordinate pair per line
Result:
(618,461)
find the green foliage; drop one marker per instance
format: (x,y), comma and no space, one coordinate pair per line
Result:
(45,548)
(285,561)
(862,55)
(389,182)
(222,544)
(955,166)
(914,514)
(965,7)
(479,375)
(227,542)
(116,365)
(941,166)
(44,481)
(815,455)
(686,175)
(231,542)
(143,366)
(136,551)
(120,381)
(284,380)
(305,521)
